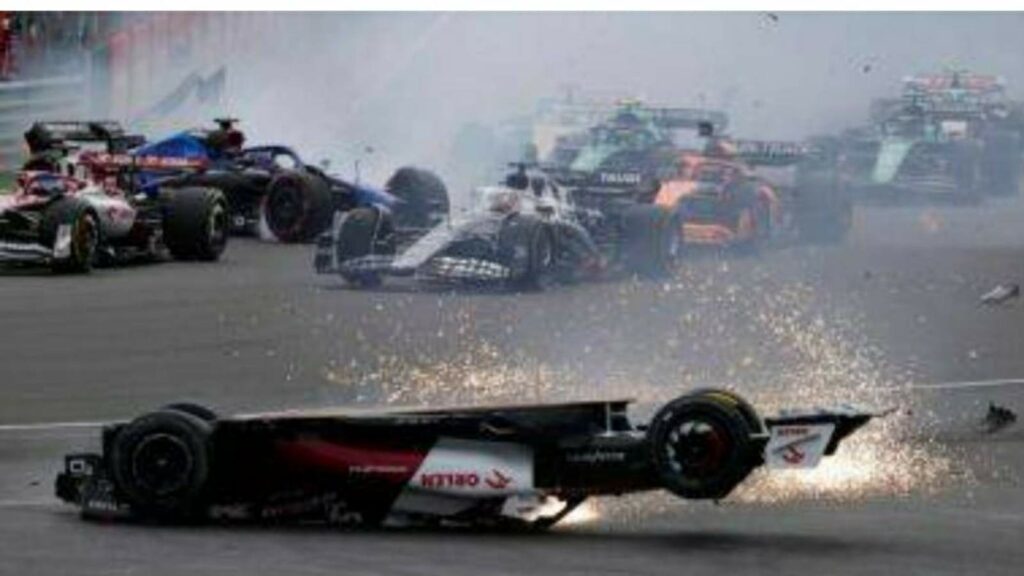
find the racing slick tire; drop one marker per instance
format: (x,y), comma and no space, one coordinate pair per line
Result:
(1001,163)
(527,246)
(422,198)
(364,231)
(195,223)
(197,410)
(161,463)
(701,446)
(730,398)
(297,206)
(651,240)
(85,234)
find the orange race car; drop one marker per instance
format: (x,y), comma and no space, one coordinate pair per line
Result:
(724,197)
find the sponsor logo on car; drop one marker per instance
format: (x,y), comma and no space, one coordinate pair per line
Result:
(450,480)
(596,457)
(619,177)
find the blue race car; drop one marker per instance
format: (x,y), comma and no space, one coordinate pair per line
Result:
(268,184)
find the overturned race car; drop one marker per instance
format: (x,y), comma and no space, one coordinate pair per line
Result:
(502,466)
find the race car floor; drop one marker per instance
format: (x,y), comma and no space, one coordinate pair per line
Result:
(892,319)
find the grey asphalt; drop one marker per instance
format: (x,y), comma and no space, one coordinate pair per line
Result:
(874,322)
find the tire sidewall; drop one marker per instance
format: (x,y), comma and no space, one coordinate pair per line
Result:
(192,432)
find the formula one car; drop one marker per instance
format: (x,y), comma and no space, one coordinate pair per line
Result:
(526,466)
(725,199)
(267,184)
(952,136)
(525,234)
(70,223)
(629,152)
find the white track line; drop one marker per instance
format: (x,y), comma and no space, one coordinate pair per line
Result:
(971,384)
(43,426)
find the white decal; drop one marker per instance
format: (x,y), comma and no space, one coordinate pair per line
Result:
(797,445)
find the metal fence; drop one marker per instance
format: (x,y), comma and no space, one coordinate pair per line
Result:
(23,102)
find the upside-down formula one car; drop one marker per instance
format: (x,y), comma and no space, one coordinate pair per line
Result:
(523,466)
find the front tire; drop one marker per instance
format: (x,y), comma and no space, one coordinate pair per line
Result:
(364,232)
(422,198)
(195,223)
(297,206)
(71,221)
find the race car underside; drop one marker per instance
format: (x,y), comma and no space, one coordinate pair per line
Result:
(523,466)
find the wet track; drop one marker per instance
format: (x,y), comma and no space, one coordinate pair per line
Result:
(874,322)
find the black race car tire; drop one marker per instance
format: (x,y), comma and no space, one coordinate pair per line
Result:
(161,463)
(297,206)
(701,447)
(651,240)
(86,234)
(197,410)
(422,198)
(195,223)
(364,231)
(527,246)
(734,400)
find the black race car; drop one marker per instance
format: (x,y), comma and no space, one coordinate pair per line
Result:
(499,466)
(267,185)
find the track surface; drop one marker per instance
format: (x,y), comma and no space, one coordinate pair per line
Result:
(897,305)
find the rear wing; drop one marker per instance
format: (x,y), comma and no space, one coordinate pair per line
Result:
(61,135)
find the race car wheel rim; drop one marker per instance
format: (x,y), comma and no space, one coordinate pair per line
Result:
(697,448)
(162,464)
(217,228)
(84,239)
(286,209)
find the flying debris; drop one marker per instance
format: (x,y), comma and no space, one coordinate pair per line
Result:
(997,418)
(1001,294)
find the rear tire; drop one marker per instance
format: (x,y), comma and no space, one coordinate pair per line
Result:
(422,195)
(297,206)
(651,240)
(701,447)
(195,223)
(84,234)
(161,463)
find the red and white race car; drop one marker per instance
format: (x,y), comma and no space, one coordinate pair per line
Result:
(515,465)
(70,223)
